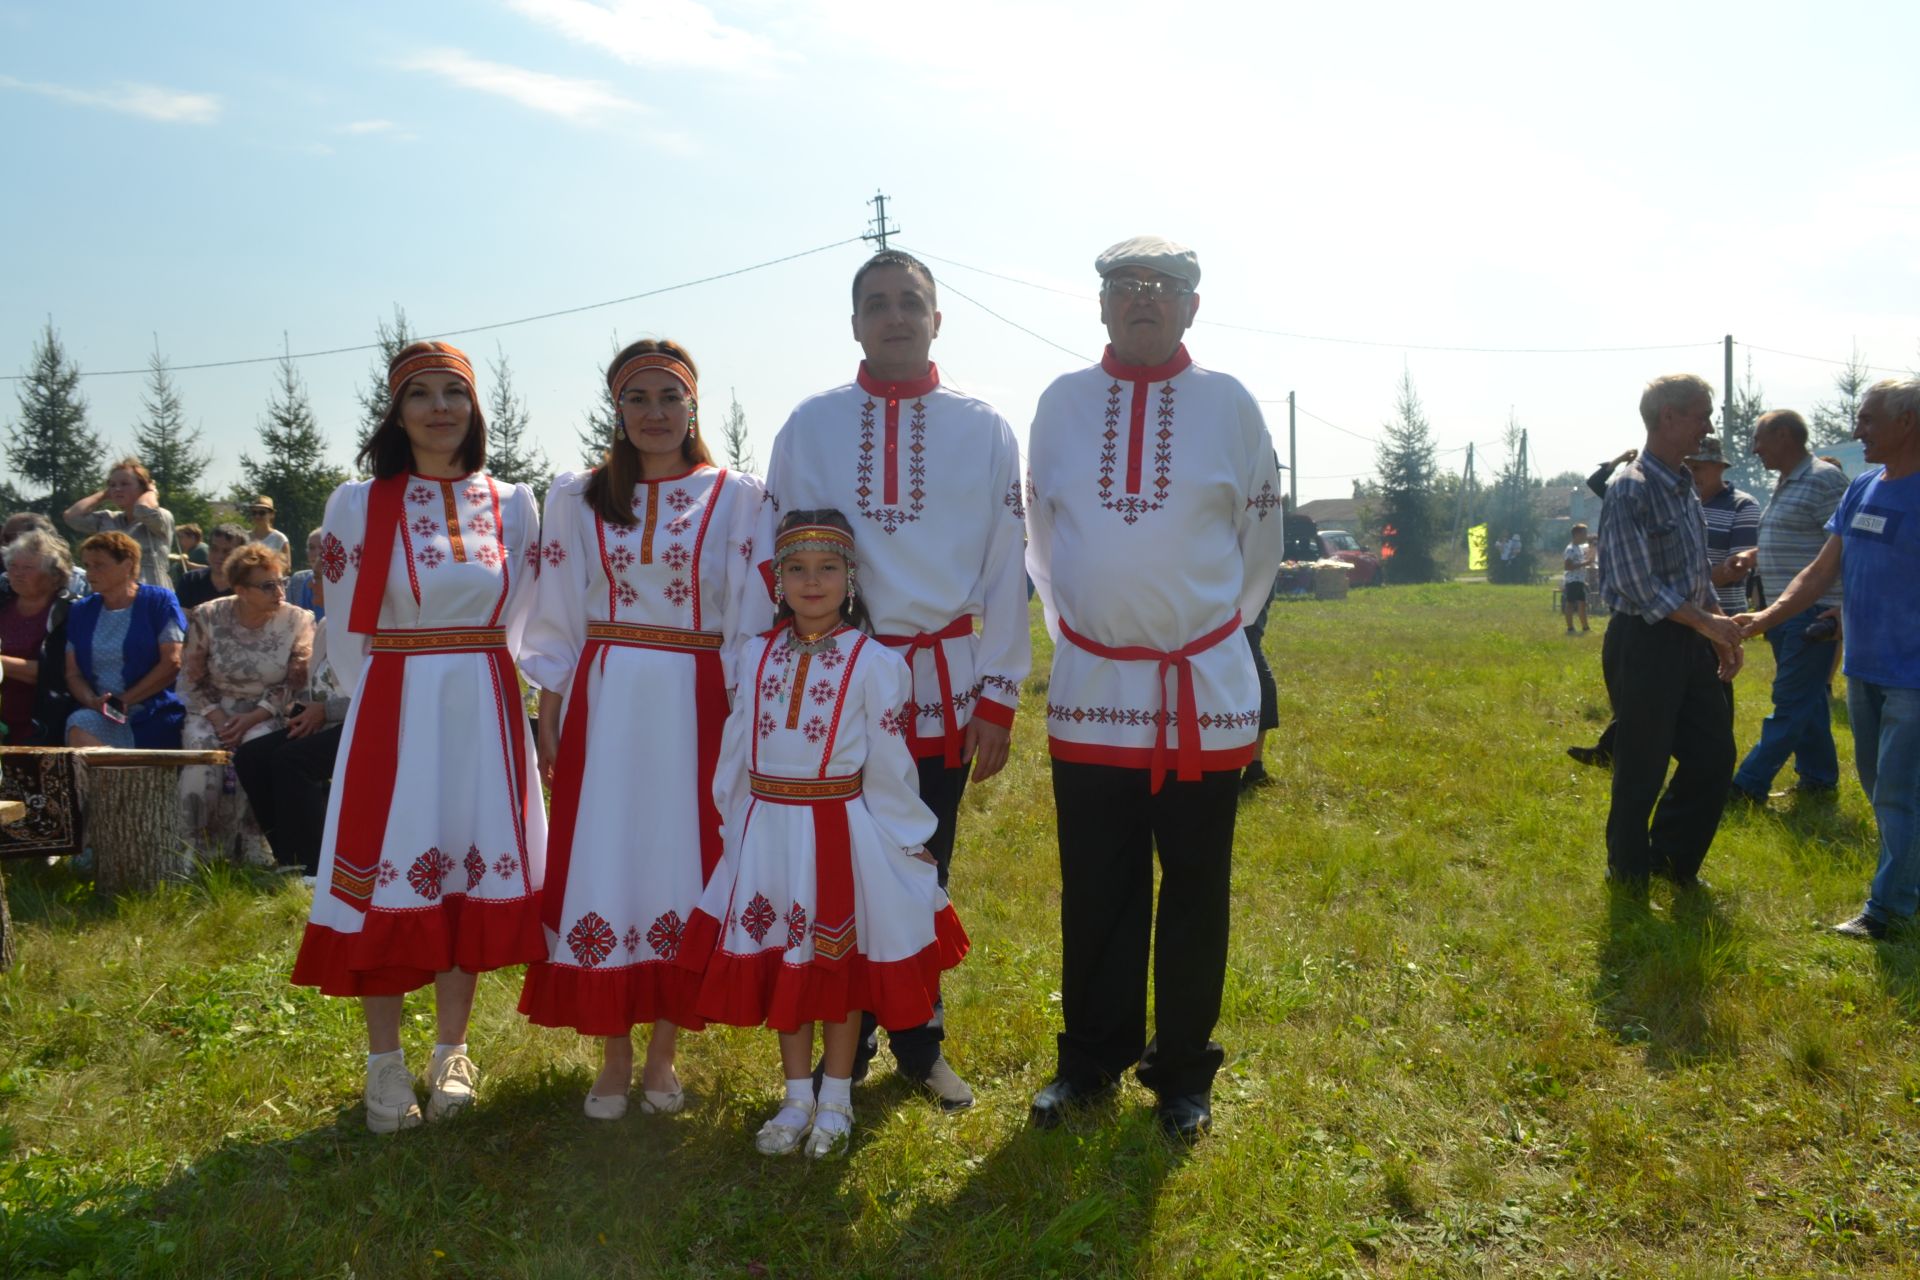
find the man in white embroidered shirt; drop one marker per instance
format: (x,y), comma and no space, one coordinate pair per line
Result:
(930,478)
(1153,533)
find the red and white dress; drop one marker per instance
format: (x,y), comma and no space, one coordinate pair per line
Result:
(635,625)
(930,479)
(819,908)
(435,840)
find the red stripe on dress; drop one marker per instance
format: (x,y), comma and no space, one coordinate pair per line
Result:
(512,749)
(699,540)
(600,536)
(406,544)
(840,702)
(506,561)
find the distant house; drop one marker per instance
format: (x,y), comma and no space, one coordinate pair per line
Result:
(1334,513)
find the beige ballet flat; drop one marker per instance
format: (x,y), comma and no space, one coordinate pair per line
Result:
(655,1103)
(606,1106)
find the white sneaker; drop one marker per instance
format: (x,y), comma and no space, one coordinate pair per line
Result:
(776,1139)
(450,1082)
(391,1105)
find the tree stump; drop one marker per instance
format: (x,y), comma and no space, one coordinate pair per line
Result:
(10,811)
(133,824)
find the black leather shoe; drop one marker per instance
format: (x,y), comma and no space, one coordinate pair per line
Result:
(1592,756)
(1184,1116)
(1738,797)
(1051,1104)
(1862,926)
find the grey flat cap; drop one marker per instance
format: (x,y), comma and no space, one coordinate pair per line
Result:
(1155,253)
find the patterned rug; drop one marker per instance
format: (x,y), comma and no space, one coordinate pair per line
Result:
(53,822)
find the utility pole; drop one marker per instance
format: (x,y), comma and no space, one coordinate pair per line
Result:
(1460,507)
(878,222)
(1293,458)
(1726,401)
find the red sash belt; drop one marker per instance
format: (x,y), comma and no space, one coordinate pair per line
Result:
(1181,662)
(960,626)
(373,758)
(709,715)
(833,930)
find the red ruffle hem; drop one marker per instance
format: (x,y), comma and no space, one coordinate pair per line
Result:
(400,951)
(611,1002)
(763,990)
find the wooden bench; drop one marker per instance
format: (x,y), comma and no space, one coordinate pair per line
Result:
(133,811)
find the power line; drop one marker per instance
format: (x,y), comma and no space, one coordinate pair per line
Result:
(1874,368)
(479,328)
(948,286)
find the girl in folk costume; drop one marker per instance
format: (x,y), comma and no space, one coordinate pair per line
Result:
(828,903)
(648,585)
(435,840)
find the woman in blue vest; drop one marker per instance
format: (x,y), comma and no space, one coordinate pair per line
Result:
(123,652)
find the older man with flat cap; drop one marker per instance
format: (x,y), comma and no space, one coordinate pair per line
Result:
(1153,534)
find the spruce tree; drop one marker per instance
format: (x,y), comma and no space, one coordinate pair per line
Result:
(1511,512)
(50,447)
(1404,493)
(1745,471)
(375,398)
(1834,420)
(293,468)
(171,449)
(596,437)
(511,457)
(733,432)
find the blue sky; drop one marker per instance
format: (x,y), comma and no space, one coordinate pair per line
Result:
(1410,176)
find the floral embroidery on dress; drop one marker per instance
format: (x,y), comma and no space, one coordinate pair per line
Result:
(1142,717)
(356,555)
(894,720)
(533,556)
(814,730)
(388,873)
(830,658)
(746,549)
(892,518)
(679,499)
(757,918)
(482,526)
(420,495)
(1011,500)
(333,558)
(625,595)
(620,559)
(679,524)
(1264,501)
(796,925)
(506,866)
(430,557)
(677,592)
(821,691)
(676,557)
(474,494)
(1004,685)
(591,939)
(767,724)
(427,873)
(555,553)
(665,935)
(631,940)
(476,867)
(424,527)
(489,555)
(774,687)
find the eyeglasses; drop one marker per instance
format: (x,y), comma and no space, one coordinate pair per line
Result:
(277,585)
(1153,289)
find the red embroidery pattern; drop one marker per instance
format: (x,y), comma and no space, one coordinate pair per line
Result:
(533,556)
(625,595)
(822,692)
(1139,717)
(427,872)
(424,527)
(555,553)
(631,939)
(796,925)
(591,939)
(679,499)
(620,558)
(774,687)
(679,524)
(490,555)
(676,558)
(677,592)
(482,526)
(894,720)
(420,495)
(431,557)
(476,867)
(475,494)
(815,729)
(333,558)
(1004,685)
(665,935)
(830,659)
(1011,500)
(961,701)
(746,549)
(388,872)
(506,865)
(1264,501)
(888,518)
(757,918)
(767,724)
(1132,506)
(356,555)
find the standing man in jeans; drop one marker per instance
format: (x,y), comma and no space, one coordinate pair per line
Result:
(1793,530)
(1873,540)
(1667,650)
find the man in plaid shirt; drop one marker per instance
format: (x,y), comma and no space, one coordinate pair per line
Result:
(1668,648)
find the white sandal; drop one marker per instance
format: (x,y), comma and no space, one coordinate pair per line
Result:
(603,1106)
(822,1143)
(776,1139)
(655,1103)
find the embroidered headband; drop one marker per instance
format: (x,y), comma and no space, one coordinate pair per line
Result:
(651,360)
(428,357)
(813,537)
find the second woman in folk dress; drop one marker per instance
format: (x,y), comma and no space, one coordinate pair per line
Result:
(435,841)
(828,903)
(647,584)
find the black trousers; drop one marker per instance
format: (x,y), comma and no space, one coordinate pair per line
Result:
(916,1049)
(1110,825)
(286,781)
(1669,703)
(1269,692)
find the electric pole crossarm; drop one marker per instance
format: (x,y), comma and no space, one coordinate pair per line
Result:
(880,230)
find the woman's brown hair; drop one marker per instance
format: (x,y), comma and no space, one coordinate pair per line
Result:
(116,544)
(133,464)
(253,556)
(610,489)
(387,451)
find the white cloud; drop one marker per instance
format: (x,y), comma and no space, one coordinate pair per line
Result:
(581,101)
(655,33)
(168,106)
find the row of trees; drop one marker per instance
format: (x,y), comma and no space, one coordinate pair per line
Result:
(1421,514)
(56,456)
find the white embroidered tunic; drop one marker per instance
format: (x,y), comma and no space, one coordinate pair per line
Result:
(1153,526)
(930,480)
(456,874)
(660,605)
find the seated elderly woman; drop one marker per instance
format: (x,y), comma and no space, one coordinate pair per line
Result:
(33,640)
(245,663)
(304,588)
(123,651)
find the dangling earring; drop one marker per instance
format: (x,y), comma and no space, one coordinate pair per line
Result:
(779,592)
(693,420)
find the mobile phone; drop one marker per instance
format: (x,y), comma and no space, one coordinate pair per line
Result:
(298,708)
(1822,629)
(114,709)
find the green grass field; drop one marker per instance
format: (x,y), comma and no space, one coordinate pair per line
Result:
(1447,1055)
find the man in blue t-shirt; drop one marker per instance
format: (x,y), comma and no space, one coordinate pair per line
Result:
(1873,545)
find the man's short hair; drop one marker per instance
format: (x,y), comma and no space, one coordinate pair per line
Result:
(1578,528)
(193,529)
(231,533)
(895,258)
(1787,420)
(1673,391)
(24,522)
(1901,396)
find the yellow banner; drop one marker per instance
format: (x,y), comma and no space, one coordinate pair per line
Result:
(1477,549)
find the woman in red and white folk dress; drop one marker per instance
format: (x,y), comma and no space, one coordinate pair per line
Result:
(435,840)
(828,902)
(648,584)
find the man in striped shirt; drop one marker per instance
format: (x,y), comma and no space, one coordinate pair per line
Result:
(1793,529)
(1668,648)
